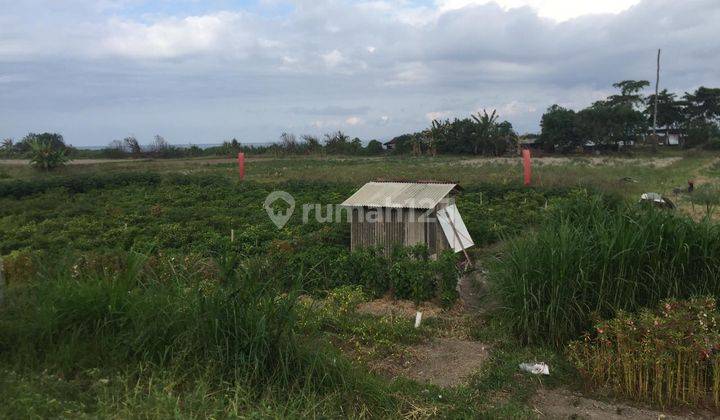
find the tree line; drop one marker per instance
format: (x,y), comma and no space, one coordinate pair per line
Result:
(627,117)
(621,120)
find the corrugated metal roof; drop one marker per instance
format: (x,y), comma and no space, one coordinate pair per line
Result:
(399,195)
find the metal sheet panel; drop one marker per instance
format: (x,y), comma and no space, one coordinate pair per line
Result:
(399,195)
(454,228)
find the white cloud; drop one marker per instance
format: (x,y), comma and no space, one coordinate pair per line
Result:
(173,37)
(437,115)
(220,74)
(559,10)
(333,58)
(353,120)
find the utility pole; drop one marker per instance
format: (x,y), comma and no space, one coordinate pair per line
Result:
(657,85)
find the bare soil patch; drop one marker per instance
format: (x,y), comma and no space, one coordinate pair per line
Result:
(444,362)
(563,404)
(387,306)
(581,160)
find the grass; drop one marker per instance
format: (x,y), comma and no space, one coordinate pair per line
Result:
(212,328)
(591,258)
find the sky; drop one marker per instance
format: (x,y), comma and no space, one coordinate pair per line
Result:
(206,71)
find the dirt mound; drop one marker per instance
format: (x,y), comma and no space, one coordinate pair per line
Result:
(563,404)
(444,362)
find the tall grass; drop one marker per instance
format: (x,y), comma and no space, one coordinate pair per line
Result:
(224,334)
(590,258)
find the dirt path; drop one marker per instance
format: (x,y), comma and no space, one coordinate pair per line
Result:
(563,404)
(445,362)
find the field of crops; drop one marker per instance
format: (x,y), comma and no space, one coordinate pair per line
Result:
(162,288)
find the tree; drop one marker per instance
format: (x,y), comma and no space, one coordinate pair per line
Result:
(55,141)
(133,146)
(703,104)
(159,144)
(288,142)
(670,111)
(337,143)
(484,130)
(559,129)
(6,146)
(312,144)
(374,147)
(46,155)
(629,93)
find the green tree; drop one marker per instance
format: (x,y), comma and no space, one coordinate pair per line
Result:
(45,155)
(485,130)
(629,93)
(670,111)
(374,147)
(559,129)
(337,143)
(7,146)
(703,104)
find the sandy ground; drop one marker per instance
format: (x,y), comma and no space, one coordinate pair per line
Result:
(582,160)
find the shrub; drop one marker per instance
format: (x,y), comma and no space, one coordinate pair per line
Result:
(590,257)
(45,156)
(447,272)
(669,356)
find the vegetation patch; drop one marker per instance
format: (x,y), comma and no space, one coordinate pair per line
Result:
(590,257)
(668,356)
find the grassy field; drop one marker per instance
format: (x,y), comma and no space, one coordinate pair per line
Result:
(127,298)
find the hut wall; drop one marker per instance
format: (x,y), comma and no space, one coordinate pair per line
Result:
(392,227)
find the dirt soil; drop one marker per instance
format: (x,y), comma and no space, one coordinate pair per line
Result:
(387,306)
(591,161)
(444,362)
(563,404)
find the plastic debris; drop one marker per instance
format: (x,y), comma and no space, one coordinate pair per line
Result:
(535,368)
(657,200)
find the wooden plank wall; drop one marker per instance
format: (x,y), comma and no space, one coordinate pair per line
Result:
(395,226)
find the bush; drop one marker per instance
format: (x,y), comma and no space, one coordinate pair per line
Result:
(244,328)
(669,356)
(590,257)
(44,155)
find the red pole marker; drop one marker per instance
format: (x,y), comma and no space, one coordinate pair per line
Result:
(241,165)
(527,166)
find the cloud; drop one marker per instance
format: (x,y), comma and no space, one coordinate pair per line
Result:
(205,71)
(353,120)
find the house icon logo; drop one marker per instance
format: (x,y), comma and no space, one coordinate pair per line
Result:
(274,205)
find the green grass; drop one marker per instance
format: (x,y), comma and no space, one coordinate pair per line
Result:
(187,336)
(591,258)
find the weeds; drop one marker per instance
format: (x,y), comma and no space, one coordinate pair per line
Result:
(593,258)
(668,356)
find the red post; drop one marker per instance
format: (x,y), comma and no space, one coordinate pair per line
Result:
(241,165)
(527,166)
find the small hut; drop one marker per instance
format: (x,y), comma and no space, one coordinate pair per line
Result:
(386,214)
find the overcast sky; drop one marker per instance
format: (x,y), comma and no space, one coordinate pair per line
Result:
(204,71)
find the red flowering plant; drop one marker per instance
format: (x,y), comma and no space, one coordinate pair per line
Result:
(669,356)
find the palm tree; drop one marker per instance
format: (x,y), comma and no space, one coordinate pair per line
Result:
(485,130)
(435,135)
(46,157)
(7,146)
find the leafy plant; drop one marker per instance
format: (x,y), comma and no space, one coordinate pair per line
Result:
(46,156)
(669,356)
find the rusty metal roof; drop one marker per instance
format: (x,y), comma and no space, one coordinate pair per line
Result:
(399,195)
